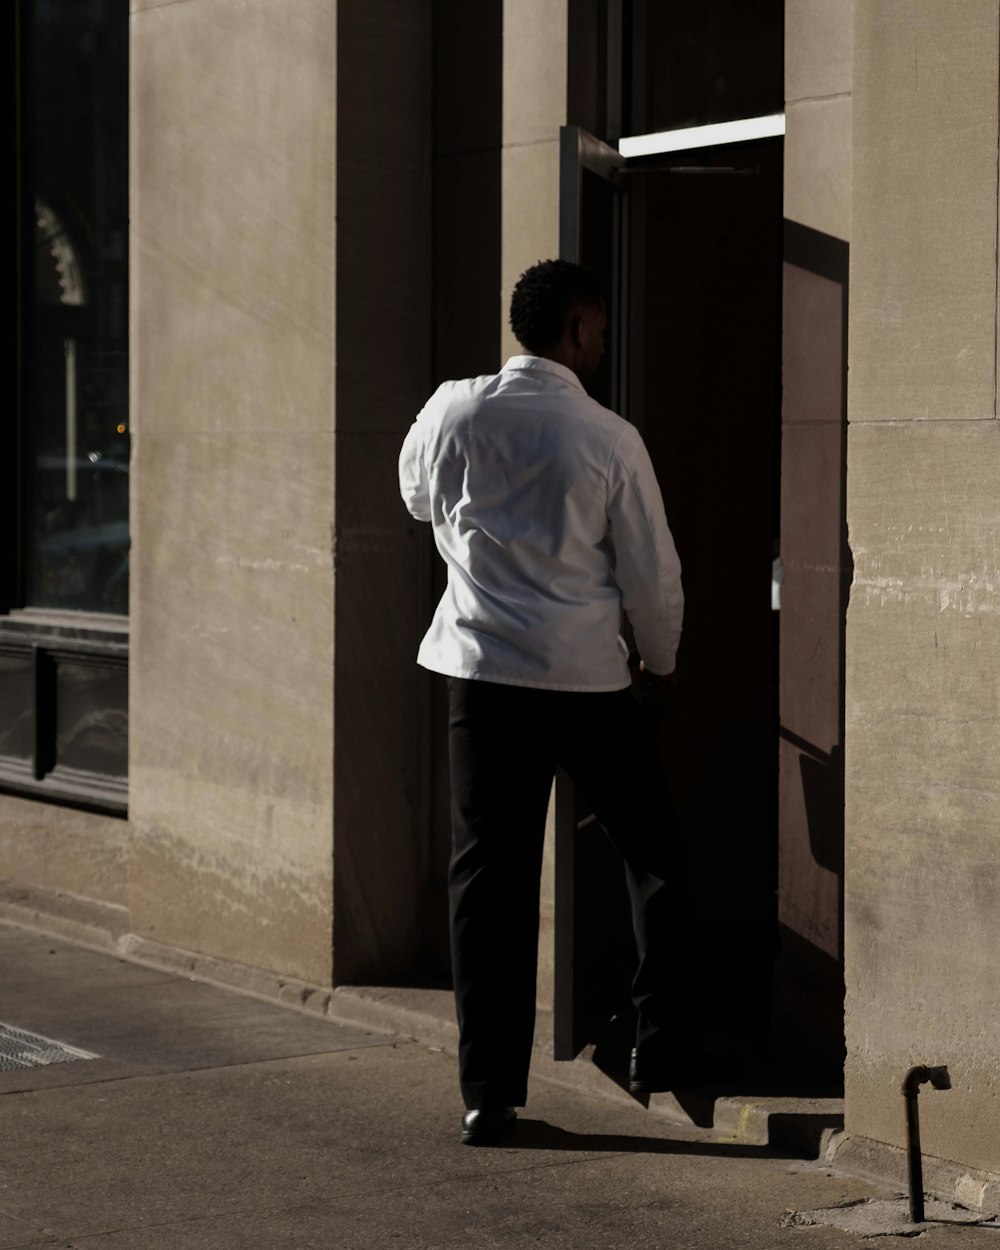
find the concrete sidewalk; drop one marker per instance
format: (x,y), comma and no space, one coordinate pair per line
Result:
(764,1106)
(213,1120)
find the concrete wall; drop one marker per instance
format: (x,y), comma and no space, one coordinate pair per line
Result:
(923,635)
(233,284)
(59,849)
(809,983)
(818,58)
(281,297)
(534,107)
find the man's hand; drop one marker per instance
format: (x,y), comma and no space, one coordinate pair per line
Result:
(658,684)
(653,688)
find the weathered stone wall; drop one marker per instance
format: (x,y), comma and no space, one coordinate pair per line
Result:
(281,201)
(59,849)
(233,185)
(808,1005)
(923,636)
(534,108)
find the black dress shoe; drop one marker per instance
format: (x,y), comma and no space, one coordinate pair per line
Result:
(485,1126)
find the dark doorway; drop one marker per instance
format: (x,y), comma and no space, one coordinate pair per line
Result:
(697,273)
(706,395)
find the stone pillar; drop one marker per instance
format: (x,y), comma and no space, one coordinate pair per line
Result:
(809,980)
(534,107)
(468,115)
(923,631)
(281,253)
(380,851)
(233,284)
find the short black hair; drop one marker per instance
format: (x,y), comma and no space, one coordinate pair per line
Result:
(545,295)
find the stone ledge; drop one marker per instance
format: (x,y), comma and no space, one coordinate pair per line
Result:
(805,1123)
(951,1182)
(70,916)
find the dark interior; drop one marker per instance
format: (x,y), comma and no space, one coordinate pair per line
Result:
(702,332)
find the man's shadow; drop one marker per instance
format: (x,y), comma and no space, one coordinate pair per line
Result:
(540,1135)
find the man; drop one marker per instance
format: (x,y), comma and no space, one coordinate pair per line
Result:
(547,513)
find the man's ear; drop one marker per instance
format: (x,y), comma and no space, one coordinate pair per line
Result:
(575,327)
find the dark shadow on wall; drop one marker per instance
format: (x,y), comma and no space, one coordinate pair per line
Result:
(821,775)
(467,121)
(818,570)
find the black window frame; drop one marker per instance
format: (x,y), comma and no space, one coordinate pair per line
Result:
(60,648)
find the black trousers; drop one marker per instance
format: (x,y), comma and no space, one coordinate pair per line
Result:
(505,743)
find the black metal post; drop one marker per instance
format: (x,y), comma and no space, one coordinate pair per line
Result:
(914,1078)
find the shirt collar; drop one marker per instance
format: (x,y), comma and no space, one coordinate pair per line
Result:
(540,364)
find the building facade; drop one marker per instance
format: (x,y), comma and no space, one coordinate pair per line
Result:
(329,205)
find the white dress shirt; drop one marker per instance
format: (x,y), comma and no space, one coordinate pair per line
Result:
(548,515)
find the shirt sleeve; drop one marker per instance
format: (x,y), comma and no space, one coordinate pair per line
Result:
(413,484)
(647,569)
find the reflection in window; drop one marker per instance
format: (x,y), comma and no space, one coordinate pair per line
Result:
(75,166)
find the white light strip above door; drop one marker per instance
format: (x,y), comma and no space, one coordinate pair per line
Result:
(703,136)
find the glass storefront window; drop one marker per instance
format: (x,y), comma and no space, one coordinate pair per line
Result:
(74,108)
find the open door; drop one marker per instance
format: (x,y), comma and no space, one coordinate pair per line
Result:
(690,244)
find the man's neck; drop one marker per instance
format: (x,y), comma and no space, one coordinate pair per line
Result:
(558,355)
